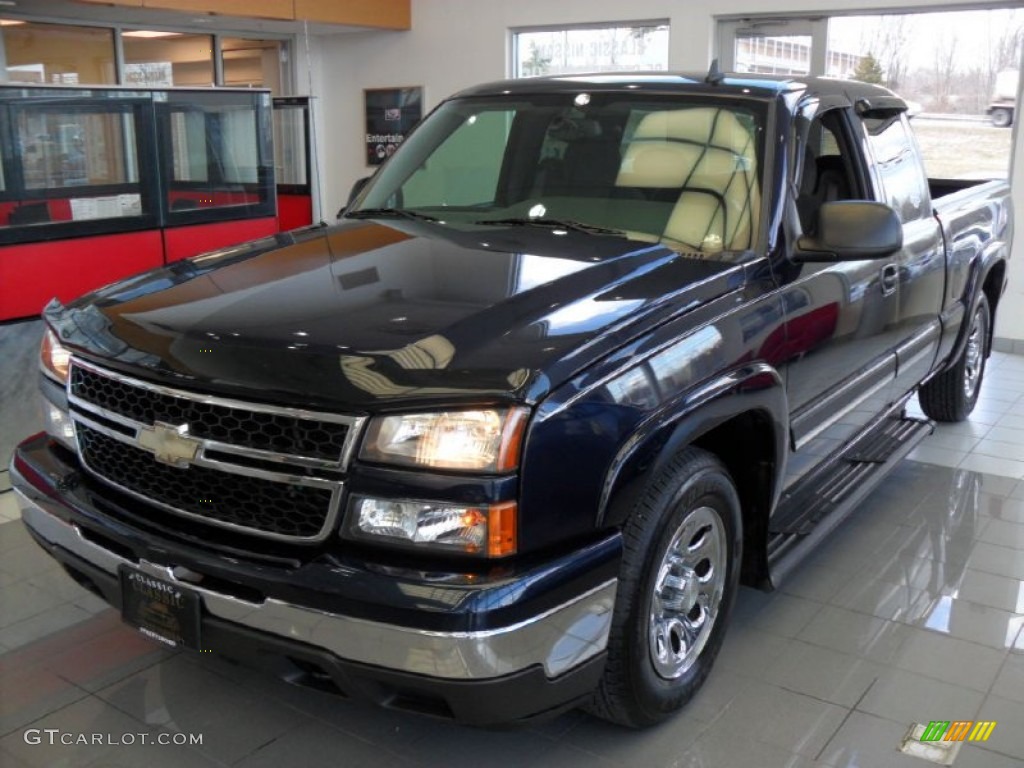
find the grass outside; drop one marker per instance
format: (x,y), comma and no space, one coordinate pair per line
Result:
(963,150)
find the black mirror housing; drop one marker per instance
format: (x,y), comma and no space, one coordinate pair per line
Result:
(852,230)
(353,194)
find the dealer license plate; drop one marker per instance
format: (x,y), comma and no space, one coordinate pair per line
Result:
(160,609)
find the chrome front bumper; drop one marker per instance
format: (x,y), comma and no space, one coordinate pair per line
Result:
(559,639)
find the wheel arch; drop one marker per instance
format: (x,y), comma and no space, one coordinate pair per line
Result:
(988,277)
(992,285)
(741,418)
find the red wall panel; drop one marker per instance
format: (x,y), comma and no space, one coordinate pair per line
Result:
(294,211)
(33,273)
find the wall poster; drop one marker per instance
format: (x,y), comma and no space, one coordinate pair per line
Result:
(390,115)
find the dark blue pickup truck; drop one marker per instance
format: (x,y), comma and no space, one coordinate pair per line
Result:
(582,357)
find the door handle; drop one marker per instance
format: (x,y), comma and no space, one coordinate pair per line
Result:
(890,279)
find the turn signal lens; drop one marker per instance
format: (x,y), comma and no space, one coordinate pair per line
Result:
(484,530)
(54,357)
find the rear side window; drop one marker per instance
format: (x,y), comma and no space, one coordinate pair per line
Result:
(905,186)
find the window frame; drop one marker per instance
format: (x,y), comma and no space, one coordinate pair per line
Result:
(265,206)
(513,36)
(14,188)
(286,59)
(152,162)
(729,26)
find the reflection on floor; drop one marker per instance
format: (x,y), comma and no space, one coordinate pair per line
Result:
(912,611)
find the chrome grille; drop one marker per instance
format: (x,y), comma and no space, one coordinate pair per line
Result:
(269,471)
(244,502)
(261,429)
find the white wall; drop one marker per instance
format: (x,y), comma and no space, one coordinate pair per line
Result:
(457,43)
(1010,321)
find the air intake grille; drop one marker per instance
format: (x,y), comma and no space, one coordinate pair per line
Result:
(262,430)
(266,506)
(269,471)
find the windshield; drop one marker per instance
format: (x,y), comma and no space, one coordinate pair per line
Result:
(678,170)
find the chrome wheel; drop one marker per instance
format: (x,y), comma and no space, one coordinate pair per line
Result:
(687,593)
(974,355)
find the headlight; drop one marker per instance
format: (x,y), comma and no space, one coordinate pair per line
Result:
(475,530)
(482,440)
(54,357)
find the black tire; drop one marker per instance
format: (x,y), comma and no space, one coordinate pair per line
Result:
(1001,117)
(673,509)
(952,395)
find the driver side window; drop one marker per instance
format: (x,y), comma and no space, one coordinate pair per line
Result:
(828,169)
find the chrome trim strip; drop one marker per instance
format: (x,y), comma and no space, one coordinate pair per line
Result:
(273,456)
(97,411)
(354,423)
(919,346)
(813,432)
(330,519)
(559,639)
(841,400)
(202,461)
(254,453)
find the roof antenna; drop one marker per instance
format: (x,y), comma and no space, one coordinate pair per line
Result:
(715,75)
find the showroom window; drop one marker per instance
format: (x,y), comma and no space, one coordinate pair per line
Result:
(955,69)
(250,63)
(57,53)
(642,46)
(63,148)
(156,59)
(71,162)
(947,66)
(218,155)
(37,53)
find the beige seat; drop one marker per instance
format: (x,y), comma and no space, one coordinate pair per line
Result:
(708,156)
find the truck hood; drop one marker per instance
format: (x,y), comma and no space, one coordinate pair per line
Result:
(365,316)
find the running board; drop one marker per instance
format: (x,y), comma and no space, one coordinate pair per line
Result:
(813,508)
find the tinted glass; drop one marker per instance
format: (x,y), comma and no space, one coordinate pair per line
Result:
(898,163)
(672,170)
(57,53)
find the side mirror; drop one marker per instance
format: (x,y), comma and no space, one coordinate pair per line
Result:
(852,230)
(353,194)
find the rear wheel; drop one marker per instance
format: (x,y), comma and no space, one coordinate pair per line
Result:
(677,585)
(952,395)
(1001,117)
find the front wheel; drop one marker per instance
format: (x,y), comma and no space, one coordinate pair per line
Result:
(682,546)
(952,395)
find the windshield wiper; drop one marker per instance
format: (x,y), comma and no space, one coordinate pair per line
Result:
(576,226)
(388,213)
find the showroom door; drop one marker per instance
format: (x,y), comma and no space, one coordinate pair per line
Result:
(773,46)
(292,162)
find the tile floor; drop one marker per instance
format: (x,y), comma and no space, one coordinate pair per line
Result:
(912,611)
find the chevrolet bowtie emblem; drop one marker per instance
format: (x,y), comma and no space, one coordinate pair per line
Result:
(169,443)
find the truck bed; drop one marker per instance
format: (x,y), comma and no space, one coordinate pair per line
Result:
(942,189)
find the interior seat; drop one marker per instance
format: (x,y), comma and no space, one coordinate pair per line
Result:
(707,158)
(589,166)
(824,180)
